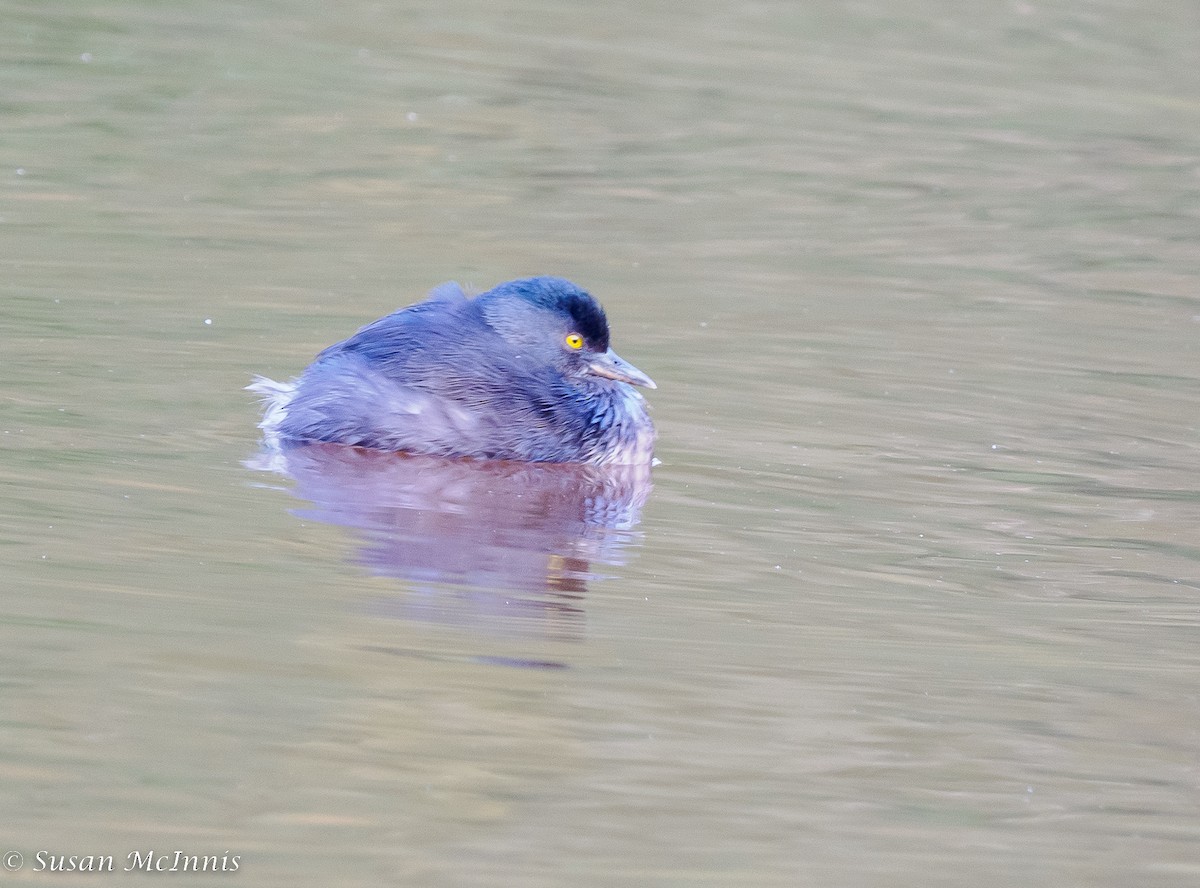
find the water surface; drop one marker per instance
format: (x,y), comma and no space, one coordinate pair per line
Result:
(913,600)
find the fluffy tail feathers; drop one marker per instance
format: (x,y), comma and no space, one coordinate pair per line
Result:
(276,396)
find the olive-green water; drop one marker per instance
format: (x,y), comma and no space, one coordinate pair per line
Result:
(914,598)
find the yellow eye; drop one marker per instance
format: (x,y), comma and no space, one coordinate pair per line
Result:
(575,341)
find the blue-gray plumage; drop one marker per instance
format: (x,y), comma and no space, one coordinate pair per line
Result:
(521,372)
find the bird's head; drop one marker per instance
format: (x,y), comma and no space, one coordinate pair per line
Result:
(550,320)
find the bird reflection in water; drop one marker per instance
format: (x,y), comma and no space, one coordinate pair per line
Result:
(498,545)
